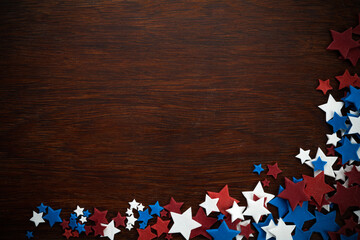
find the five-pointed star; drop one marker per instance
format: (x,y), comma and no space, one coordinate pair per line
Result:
(328,170)
(267,228)
(331,107)
(133,204)
(37,218)
(342,42)
(282,231)
(355,125)
(210,204)
(242,226)
(79,211)
(183,223)
(131,220)
(259,192)
(140,207)
(303,155)
(256,209)
(83,219)
(236,212)
(110,230)
(333,139)
(340,174)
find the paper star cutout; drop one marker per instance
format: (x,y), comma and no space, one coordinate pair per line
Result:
(299,216)
(86,213)
(183,223)
(354,97)
(324,224)
(79,211)
(174,206)
(42,208)
(303,155)
(220,216)
(258,169)
(267,228)
(265,182)
(67,233)
(210,204)
(332,139)
(256,209)
(88,230)
(316,187)
(206,223)
(110,230)
(331,107)
(318,164)
(328,170)
(345,197)
(340,174)
(131,220)
(259,192)
(156,209)
(119,220)
(236,212)
(37,218)
(64,224)
(53,216)
(146,234)
(225,201)
(245,230)
(223,232)
(345,80)
(80,228)
(342,42)
(348,151)
(354,176)
(133,204)
(354,55)
(294,193)
(258,227)
(98,229)
(338,122)
(99,216)
(324,86)
(72,223)
(140,207)
(161,226)
(144,216)
(129,212)
(129,226)
(29,234)
(355,125)
(83,219)
(282,231)
(281,204)
(273,170)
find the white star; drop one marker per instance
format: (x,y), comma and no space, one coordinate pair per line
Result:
(282,231)
(238,227)
(183,223)
(131,220)
(140,207)
(332,139)
(37,218)
(210,204)
(331,107)
(303,155)
(133,204)
(355,128)
(259,192)
(129,212)
(328,166)
(79,211)
(256,209)
(267,229)
(236,212)
(340,174)
(129,226)
(83,219)
(110,230)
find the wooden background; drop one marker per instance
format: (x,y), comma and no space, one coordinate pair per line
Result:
(106,101)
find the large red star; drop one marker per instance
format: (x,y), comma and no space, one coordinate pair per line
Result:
(161,226)
(246,230)
(345,80)
(67,233)
(342,42)
(273,170)
(346,197)
(316,187)
(225,201)
(206,223)
(353,175)
(324,86)
(119,220)
(98,229)
(174,206)
(99,216)
(294,192)
(146,234)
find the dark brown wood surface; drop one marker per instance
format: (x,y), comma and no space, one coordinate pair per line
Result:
(106,101)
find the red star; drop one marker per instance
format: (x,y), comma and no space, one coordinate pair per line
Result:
(98,229)
(168,236)
(206,223)
(345,197)
(98,216)
(225,201)
(350,224)
(161,226)
(316,187)
(273,170)
(164,214)
(174,206)
(330,151)
(64,224)
(353,55)
(119,220)
(67,233)
(88,230)
(353,175)
(75,234)
(230,224)
(145,234)
(345,80)
(342,42)
(294,192)
(356,29)
(246,231)
(265,182)
(324,86)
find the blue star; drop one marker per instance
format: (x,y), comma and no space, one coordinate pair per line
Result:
(281,204)
(301,235)
(80,228)
(352,237)
(73,216)
(144,216)
(348,151)
(325,223)
(338,122)
(29,234)
(142,225)
(295,180)
(220,217)
(354,97)
(72,223)
(262,233)
(318,164)
(258,169)
(86,213)
(156,209)
(223,232)
(299,215)
(42,208)
(53,216)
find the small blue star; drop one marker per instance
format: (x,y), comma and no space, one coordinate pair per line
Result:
(258,227)
(299,216)
(53,216)
(220,217)
(72,223)
(142,225)
(281,204)
(80,228)
(338,122)
(354,97)
(325,223)
(318,164)
(301,235)
(223,232)
(348,151)
(258,169)
(73,216)
(144,216)
(86,213)
(156,209)
(352,237)
(295,180)
(42,208)
(29,234)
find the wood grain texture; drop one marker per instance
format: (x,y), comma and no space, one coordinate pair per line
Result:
(106,101)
